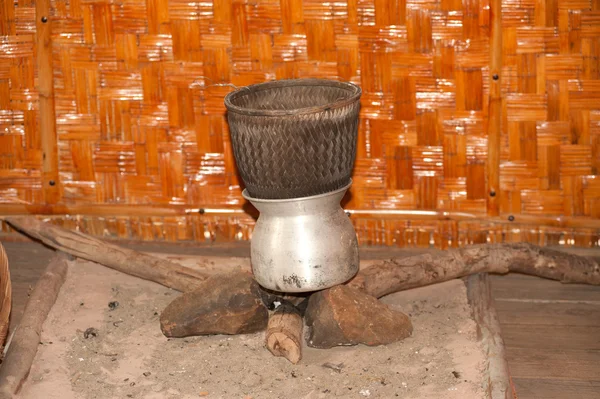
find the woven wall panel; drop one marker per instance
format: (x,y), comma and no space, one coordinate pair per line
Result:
(20,148)
(139,89)
(552,98)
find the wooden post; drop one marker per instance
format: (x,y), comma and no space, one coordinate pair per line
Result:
(497,385)
(46,97)
(495,109)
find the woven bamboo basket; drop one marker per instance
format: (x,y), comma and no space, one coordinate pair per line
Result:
(5,296)
(294,138)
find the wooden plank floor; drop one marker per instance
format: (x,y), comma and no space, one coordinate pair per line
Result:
(552,336)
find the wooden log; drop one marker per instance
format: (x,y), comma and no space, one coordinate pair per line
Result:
(285,332)
(24,344)
(416,271)
(122,259)
(497,385)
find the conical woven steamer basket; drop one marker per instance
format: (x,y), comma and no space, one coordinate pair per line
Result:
(294,138)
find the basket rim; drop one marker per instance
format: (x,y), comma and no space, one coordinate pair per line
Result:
(355,93)
(247,196)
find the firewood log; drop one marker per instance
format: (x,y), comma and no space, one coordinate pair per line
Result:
(23,347)
(125,260)
(417,271)
(374,278)
(284,332)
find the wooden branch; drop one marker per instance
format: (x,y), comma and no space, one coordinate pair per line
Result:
(284,333)
(497,385)
(24,344)
(125,260)
(416,271)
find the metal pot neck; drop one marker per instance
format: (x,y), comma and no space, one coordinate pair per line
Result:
(299,206)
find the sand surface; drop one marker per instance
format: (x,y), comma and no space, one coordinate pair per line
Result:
(130,358)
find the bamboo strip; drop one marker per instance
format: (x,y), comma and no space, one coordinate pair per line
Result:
(495,109)
(47,125)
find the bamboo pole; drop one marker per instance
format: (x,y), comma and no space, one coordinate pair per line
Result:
(47,122)
(495,109)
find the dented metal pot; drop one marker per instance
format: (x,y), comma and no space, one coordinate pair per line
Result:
(303,244)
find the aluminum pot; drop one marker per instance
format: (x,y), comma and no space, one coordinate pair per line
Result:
(303,244)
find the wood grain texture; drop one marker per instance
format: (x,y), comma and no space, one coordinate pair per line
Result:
(548,314)
(552,336)
(523,287)
(497,385)
(532,388)
(557,336)
(554,364)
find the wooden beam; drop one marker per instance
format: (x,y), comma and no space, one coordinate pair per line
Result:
(497,385)
(495,109)
(116,210)
(136,210)
(47,125)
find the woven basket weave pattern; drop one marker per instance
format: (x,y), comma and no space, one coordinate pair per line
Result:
(288,98)
(293,156)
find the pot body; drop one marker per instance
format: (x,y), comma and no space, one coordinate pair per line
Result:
(303,244)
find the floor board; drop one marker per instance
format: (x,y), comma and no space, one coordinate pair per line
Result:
(548,314)
(552,336)
(531,388)
(566,337)
(554,363)
(535,288)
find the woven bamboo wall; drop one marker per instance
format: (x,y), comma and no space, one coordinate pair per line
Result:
(141,139)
